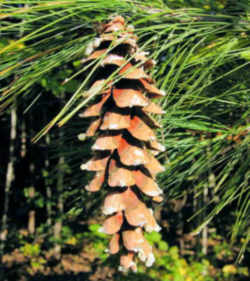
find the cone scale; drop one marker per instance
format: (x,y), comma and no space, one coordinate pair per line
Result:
(125,145)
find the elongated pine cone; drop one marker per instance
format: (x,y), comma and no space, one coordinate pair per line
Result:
(125,142)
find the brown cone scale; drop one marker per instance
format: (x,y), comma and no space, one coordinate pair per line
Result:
(125,143)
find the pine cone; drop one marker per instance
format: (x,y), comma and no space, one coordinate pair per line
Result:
(125,142)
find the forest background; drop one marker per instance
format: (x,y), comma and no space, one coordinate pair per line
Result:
(49,223)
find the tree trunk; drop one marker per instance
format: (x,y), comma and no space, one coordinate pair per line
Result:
(10,176)
(31,194)
(31,191)
(32,212)
(205,229)
(210,185)
(59,221)
(23,140)
(47,184)
(60,203)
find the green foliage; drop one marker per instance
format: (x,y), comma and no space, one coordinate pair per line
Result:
(206,4)
(98,240)
(55,85)
(37,200)
(169,265)
(34,255)
(31,250)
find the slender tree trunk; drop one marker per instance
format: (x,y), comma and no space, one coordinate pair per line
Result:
(210,185)
(59,221)
(31,192)
(32,212)
(205,229)
(23,140)
(47,184)
(60,203)
(10,176)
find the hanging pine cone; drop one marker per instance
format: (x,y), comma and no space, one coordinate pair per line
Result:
(125,142)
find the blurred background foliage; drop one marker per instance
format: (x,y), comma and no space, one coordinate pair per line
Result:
(49,223)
